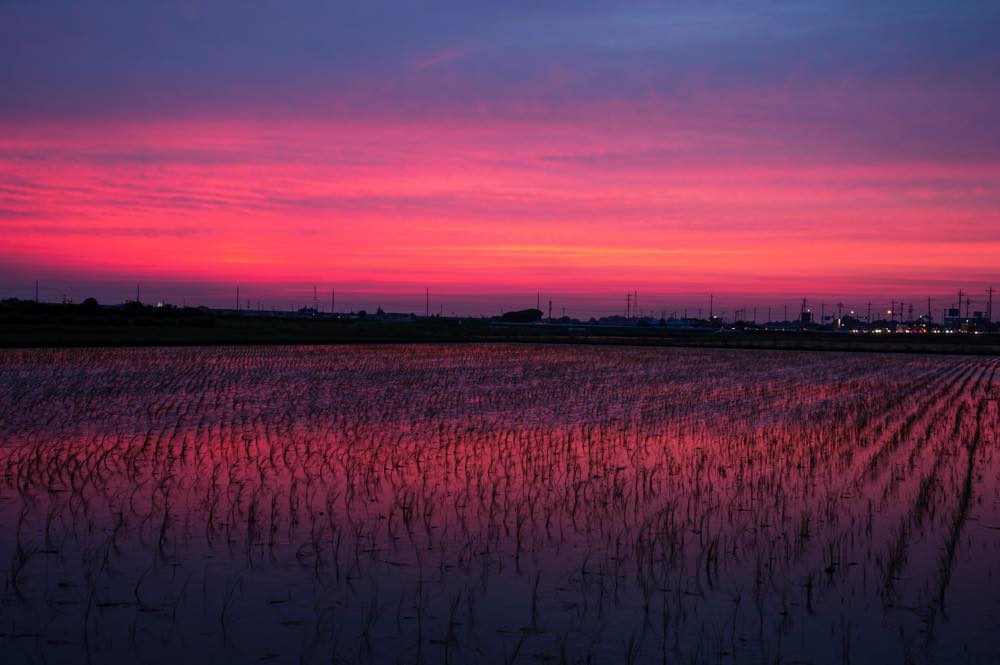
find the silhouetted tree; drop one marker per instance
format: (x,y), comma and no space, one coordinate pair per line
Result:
(522,316)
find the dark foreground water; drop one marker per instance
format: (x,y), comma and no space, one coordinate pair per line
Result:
(498,504)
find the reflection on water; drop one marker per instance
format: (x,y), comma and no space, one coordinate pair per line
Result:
(498,504)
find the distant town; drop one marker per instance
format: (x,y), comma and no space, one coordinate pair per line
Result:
(896,318)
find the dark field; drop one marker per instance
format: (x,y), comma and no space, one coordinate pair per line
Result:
(32,325)
(498,504)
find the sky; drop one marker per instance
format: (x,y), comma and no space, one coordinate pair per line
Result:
(763,152)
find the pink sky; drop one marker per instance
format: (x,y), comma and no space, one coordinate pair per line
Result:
(765,187)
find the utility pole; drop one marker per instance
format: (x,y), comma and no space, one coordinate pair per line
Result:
(869,311)
(137,294)
(315,300)
(427,303)
(989,309)
(961,294)
(628,305)
(538,301)
(711,306)
(930,318)
(333,300)
(550,311)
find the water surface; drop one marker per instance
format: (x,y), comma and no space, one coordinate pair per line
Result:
(498,504)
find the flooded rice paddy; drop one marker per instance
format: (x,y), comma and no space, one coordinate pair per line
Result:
(498,504)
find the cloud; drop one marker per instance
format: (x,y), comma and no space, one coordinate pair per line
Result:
(440,57)
(101,231)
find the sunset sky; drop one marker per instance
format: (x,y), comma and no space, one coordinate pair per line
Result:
(761,151)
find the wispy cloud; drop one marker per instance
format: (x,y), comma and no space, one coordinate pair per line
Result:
(440,57)
(101,231)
